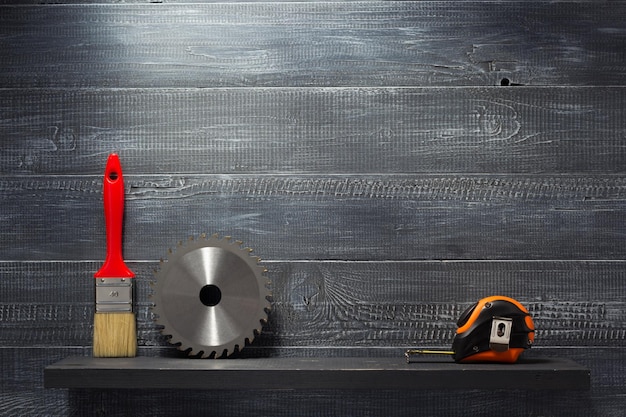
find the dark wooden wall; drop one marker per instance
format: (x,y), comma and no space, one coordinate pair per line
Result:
(391,162)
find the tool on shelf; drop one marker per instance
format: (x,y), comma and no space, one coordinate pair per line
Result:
(211,296)
(494,329)
(115,328)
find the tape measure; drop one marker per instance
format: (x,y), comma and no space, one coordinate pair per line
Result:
(494,329)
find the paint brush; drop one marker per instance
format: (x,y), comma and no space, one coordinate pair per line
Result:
(115,328)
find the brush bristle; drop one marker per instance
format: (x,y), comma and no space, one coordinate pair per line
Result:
(114,335)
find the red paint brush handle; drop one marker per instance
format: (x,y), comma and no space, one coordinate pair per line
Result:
(114,266)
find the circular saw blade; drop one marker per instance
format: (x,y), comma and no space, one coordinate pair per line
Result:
(211,296)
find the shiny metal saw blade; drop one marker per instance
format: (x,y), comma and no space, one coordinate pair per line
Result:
(211,296)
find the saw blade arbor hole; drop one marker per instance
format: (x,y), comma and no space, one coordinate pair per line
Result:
(210,295)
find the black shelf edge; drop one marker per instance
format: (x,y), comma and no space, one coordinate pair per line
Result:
(80,372)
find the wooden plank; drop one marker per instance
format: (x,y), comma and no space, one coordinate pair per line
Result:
(376,218)
(525,130)
(365,306)
(311,373)
(300,44)
(417,303)
(22,393)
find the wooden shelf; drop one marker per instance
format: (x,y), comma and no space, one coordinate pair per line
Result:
(311,373)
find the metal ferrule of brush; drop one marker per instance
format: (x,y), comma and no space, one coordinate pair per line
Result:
(114,295)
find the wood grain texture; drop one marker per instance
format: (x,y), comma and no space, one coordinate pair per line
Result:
(320,130)
(313,44)
(376,218)
(342,305)
(366,150)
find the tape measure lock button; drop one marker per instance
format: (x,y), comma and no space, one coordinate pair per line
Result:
(500,336)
